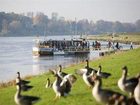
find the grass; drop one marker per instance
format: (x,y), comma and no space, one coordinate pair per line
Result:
(80,94)
(125,38)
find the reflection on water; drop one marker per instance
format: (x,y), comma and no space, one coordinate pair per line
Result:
(42,64)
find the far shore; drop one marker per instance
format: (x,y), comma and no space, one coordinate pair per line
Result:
(121,38)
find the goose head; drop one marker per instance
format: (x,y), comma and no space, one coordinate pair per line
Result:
(125,70)
(18,79)
(18,74)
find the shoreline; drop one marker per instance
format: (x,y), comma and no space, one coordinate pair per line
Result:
(12,82)
(126,39)
(101,54)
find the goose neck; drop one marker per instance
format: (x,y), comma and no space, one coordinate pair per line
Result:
(99,71)
(87,64)
(97,85)
(124,75)
(18,91)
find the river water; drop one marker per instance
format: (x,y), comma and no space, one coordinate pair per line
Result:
(16,55)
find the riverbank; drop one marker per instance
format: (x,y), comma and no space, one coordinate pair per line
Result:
(122,38)
(80,94)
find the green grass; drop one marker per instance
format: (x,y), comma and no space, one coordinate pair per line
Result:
(124,38)
(80,94)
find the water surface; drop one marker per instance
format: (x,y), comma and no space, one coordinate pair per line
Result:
(16,55)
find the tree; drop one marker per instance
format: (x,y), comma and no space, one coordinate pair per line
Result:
(137,23)
(4,26)
(15,27)
(118,27)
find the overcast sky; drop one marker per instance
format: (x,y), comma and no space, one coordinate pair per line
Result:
(111,10)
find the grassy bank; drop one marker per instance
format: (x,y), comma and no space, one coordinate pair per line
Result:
(80,94)
(124,38)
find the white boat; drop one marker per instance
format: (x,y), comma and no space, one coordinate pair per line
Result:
(61,47)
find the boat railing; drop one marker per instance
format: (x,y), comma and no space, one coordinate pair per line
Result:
(77,49)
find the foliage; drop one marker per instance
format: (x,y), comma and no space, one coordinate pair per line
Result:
(12,24)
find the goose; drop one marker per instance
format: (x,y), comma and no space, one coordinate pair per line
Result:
(59,90)
(23,83)
(88,78)
(102,74)
(127,85)
(23,100)
(89,68)
(19,79)
(137,92)
(48,85)
(106,96)
(82,71)
(67,84)
(70,77)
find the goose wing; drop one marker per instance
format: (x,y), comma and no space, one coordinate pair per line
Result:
(63,74)
(131,83)
(30,98)
(24,82)
(68,87)
(80,72)
(72,78)
(52,72)
(104,74)
(26,87)
(91,81)
(90,69)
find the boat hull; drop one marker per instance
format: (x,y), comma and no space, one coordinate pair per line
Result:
(42,51)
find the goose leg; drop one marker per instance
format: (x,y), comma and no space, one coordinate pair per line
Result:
(57,97)
(90,87)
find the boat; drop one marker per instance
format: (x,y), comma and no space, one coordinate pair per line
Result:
(61,47)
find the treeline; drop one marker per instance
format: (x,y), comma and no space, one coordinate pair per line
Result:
(12,24)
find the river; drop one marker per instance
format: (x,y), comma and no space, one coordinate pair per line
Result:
(16,55)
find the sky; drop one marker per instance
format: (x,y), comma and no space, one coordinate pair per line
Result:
(109,10)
